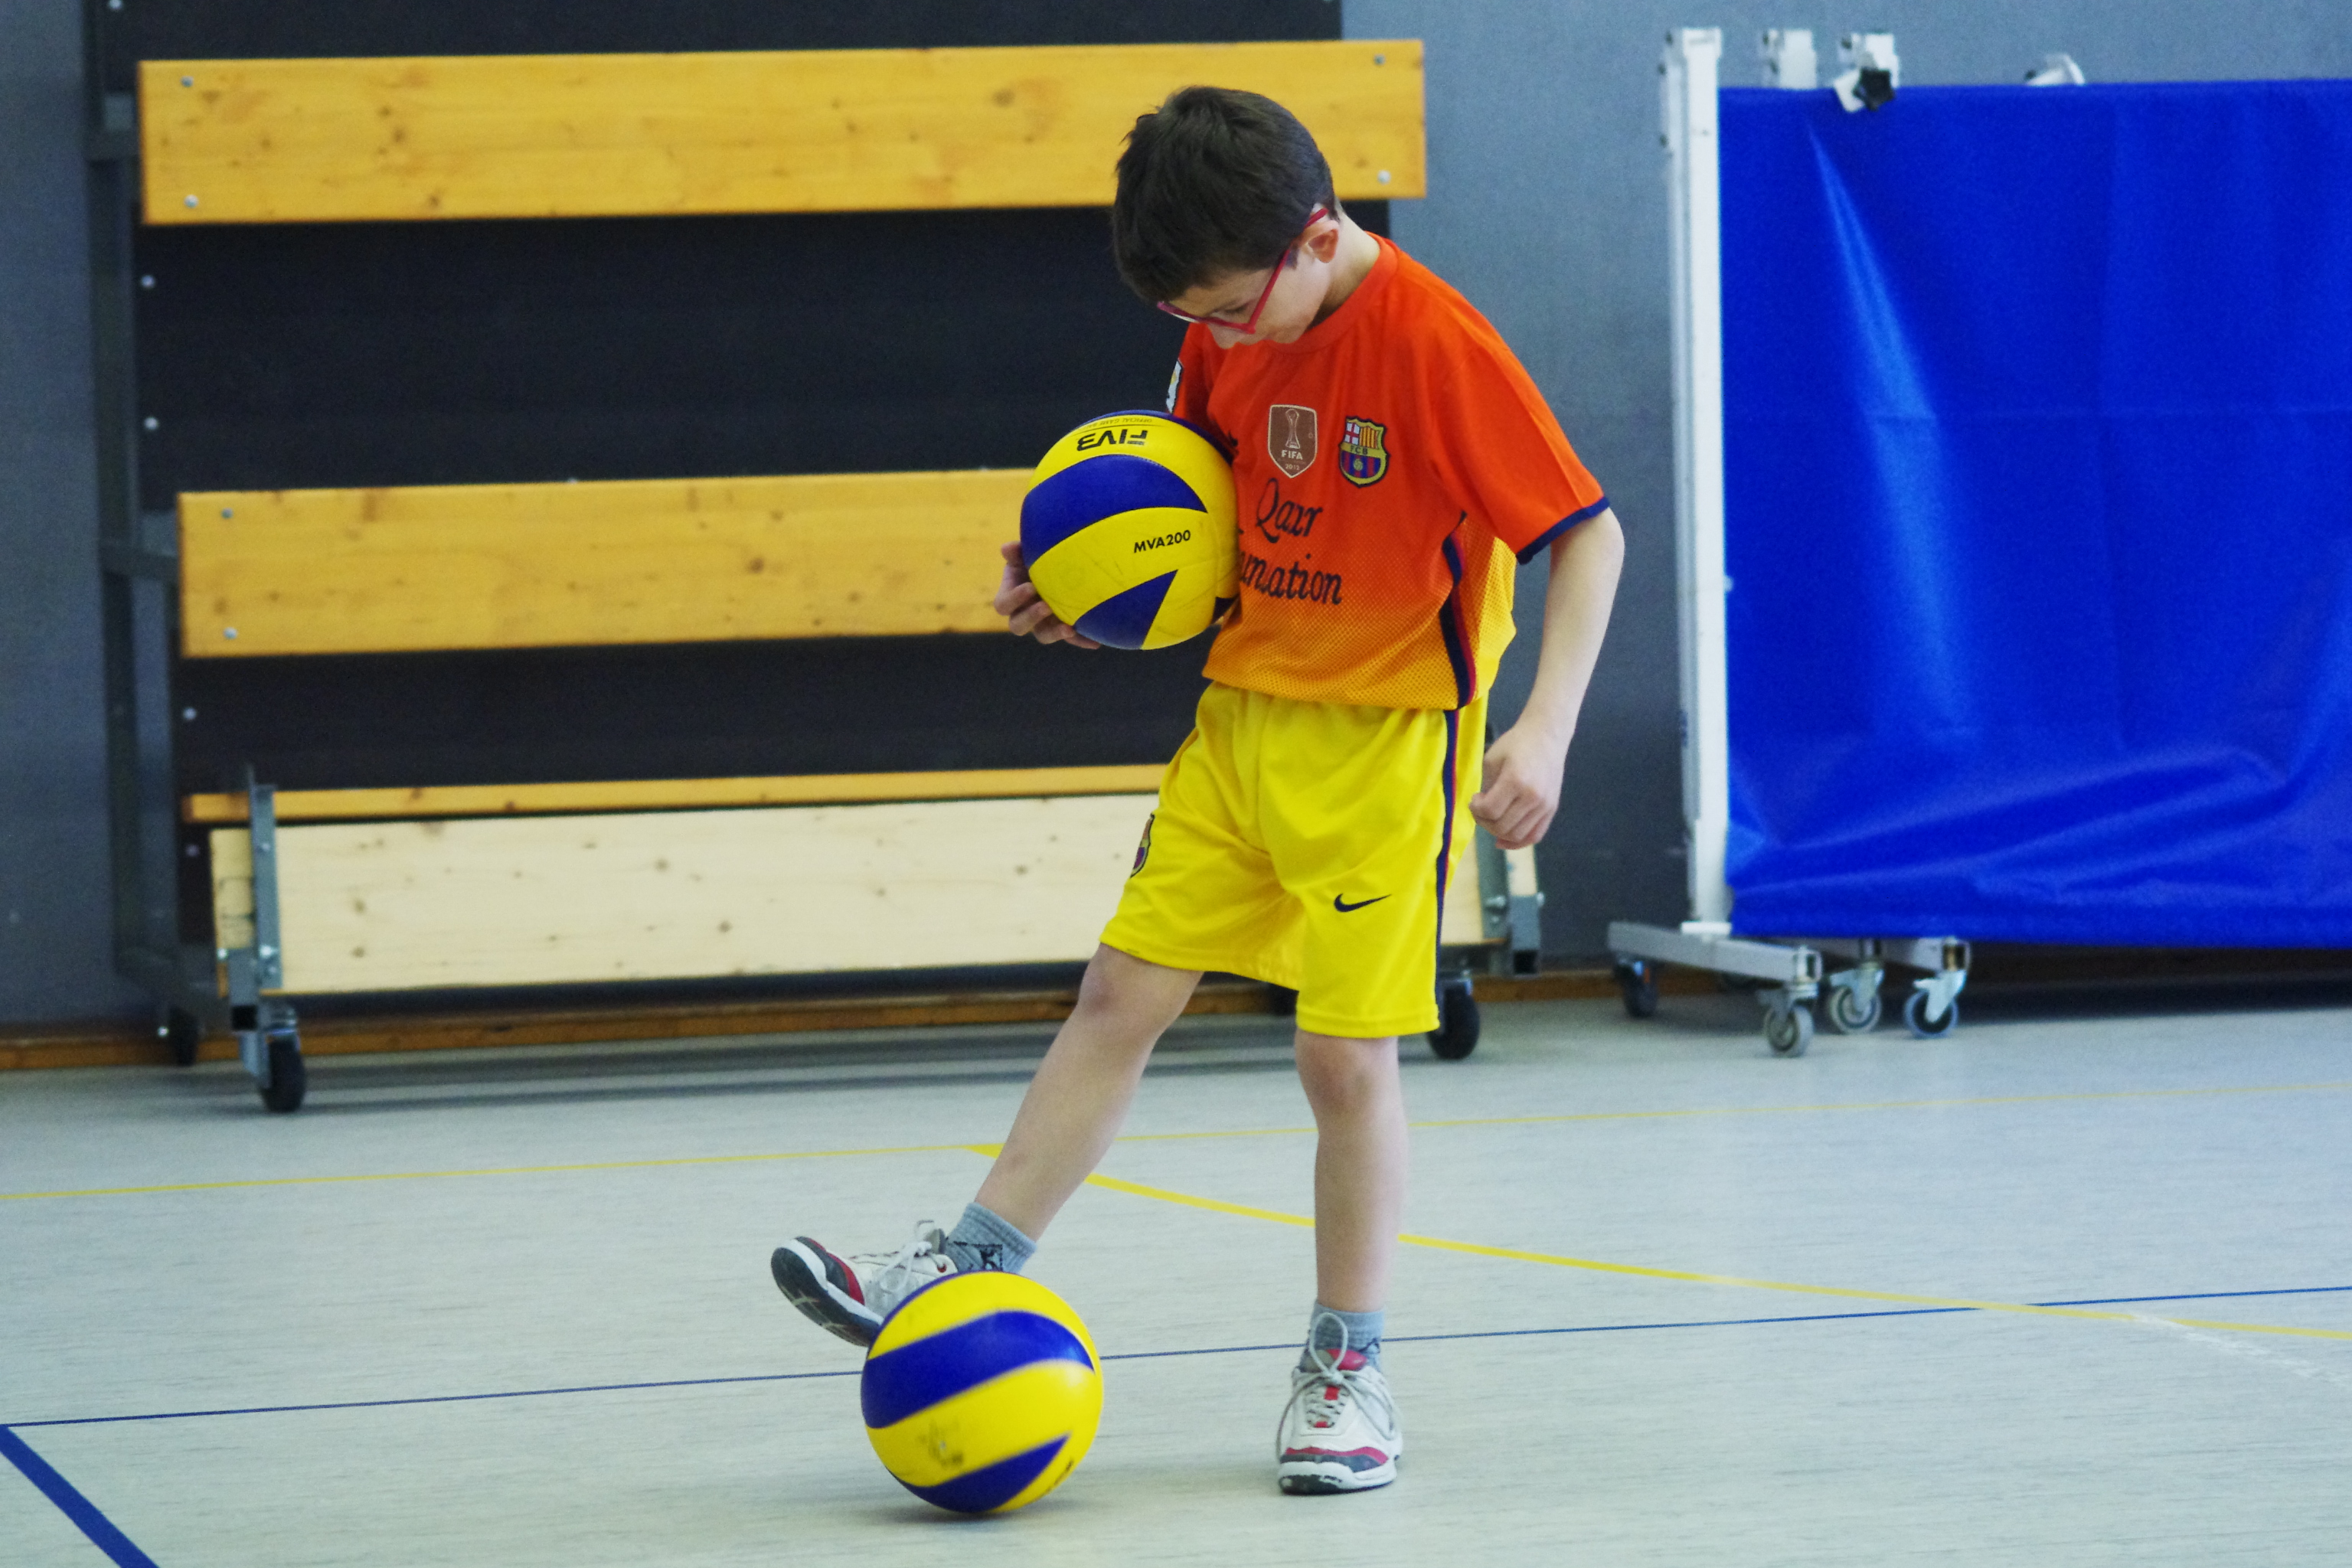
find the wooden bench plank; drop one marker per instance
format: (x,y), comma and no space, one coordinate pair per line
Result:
(395,906)
(803,131)
(675,795)
(678,895)
(625,560)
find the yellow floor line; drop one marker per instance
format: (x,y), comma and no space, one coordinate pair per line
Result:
(1185,1137)
(1890,1104)
(491,1171)
(1769,1109)
(1516,1254)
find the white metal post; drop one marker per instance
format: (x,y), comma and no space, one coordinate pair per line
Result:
(1692,59)
(1690,73)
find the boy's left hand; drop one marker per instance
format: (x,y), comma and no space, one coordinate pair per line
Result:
(1018,601)
(1519,789)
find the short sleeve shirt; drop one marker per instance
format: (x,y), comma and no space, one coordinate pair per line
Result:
(1389,466)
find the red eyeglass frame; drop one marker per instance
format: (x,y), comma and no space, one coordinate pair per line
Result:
(1246,328)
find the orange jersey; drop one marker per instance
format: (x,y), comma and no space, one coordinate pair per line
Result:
(1390,465)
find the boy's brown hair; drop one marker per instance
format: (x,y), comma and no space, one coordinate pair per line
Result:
(1213,182)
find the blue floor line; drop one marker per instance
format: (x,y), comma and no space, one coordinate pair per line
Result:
(2199,1296)
(437,1399)
(1154,1355)
(100,1529)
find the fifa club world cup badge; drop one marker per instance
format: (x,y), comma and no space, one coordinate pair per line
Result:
(1363,458)
(1290,437)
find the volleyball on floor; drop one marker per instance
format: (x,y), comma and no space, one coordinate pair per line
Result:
(1128,530)
(982,1393)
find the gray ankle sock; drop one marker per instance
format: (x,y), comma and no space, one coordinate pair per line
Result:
(1326,1324)
(982,1239)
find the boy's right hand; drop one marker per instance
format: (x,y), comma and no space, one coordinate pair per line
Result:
(1017,601)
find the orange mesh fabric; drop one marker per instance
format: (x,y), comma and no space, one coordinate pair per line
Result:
(1389,464)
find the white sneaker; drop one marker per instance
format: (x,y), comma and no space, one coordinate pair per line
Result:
(1340,1432)
(851,1296)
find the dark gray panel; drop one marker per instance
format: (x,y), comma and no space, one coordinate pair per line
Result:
(307,29)
(701,710)
(345,355)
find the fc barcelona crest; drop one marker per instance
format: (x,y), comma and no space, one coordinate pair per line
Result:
(1363,452)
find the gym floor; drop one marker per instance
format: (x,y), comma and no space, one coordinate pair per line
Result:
(2066,1287)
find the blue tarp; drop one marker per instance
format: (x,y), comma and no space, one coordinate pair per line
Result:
(2038,414)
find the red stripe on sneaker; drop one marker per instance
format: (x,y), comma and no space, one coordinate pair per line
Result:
(837,1273)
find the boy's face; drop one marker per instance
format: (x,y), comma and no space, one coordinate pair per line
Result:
(1285,301)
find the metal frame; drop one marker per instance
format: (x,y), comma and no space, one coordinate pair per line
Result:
(1793,973)
(147,946)
(1509,941)
(1511,906)
(269,1040)
(1789,59)
(136,548)
(1694,213)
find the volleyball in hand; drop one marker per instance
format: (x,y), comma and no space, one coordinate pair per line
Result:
(1128,530)
(982,1393)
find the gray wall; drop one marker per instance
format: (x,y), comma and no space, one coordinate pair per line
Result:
(54,921)
(1547,210)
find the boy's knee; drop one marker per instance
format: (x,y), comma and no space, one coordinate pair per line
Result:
(1337,1071)
(1121,989)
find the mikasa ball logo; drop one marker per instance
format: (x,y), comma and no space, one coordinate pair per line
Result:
(1162,541)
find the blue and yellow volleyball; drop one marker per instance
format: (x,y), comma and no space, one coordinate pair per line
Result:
(1129,533)
(982,1393)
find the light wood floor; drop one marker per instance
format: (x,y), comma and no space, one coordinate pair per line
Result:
(513,1309)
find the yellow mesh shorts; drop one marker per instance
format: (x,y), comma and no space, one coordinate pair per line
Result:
(1307,844)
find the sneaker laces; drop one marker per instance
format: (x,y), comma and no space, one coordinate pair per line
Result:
(1329,1384)
(891,1275)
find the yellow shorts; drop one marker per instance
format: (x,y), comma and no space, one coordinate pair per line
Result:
(1307,844)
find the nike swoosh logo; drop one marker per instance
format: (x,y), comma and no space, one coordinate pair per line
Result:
(1345,908)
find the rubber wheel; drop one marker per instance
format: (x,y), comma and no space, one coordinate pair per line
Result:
(1638,984)
(288,1079)
(1849,1016)
(183,1032)
(1915,1017)
(1456,1035)
(1789,1030)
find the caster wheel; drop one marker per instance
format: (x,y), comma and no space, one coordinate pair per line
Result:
(1637,983)
(183,1032)
(1789,1030)
(1456,1035)
(1851,1015)
(288,1079)
(1915,1017)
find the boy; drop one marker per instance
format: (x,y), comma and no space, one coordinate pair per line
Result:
(1390,458)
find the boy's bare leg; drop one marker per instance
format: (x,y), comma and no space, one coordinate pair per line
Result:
(1361,1156)
(1080,1096)
(1338,1431)
(1072,1110)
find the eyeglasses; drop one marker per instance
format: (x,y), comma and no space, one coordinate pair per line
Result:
(1246,328)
